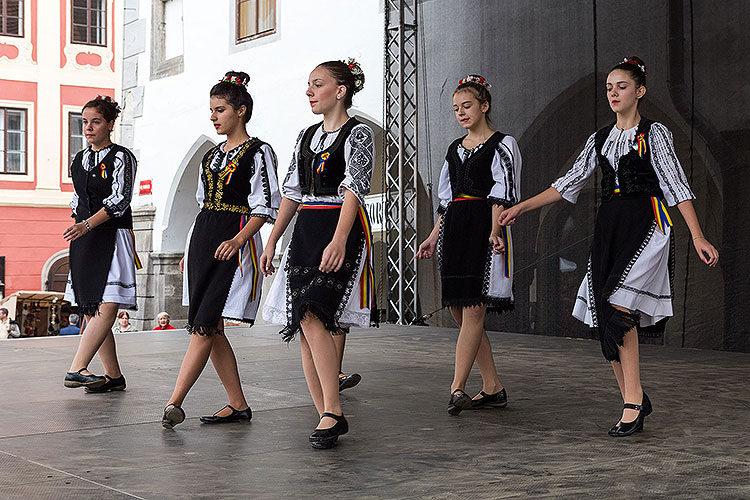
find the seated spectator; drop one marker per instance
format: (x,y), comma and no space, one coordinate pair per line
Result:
(163,319)
(8,327)
(72,328)
(123,324)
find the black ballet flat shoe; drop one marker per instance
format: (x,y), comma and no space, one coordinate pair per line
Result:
(497,400)
(628,428)
(323,439)
(78,379)
(459,401)
(646,411)
(235,416)
(349,381)
(173,415)
(112,384)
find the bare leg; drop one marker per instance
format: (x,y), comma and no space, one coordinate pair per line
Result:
(96,332)
(631,374)
(323,351)
(225,363)
(617,368)
(486,363)
(108,355)
(340,341)
(469,339)
(193,363)
(311,375)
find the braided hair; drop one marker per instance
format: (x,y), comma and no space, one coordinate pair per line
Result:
(233,89)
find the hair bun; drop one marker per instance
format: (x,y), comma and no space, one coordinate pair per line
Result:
(109,100)
(236,77)
(359,75)
(478,79)
(636,61)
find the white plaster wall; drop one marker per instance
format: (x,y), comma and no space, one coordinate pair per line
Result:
(176,108)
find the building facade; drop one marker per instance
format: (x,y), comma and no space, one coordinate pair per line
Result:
(55,55)
(174,52)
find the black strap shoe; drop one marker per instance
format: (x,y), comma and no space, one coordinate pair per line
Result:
(235,416)
(173,415)
(349,381)
(78,379)
(112,384)
(323,439)
(497,400)
(459,401)
(627,428)
(646,410)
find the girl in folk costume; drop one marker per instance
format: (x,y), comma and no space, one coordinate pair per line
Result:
(627,289)
(238,192)
(102,245)
(325,283)
(481,177)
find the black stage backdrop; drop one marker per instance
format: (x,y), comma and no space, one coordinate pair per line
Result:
(548,61)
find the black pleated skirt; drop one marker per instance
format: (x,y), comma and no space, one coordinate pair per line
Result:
(311,291)
(210,279)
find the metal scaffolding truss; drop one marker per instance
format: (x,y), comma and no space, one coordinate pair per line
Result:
(400,156)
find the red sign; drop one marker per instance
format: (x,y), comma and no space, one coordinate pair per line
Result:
(145,187)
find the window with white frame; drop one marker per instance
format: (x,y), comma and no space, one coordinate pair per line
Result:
(76,139)
(11,17)
(89,22)
(255,18)
(12,141)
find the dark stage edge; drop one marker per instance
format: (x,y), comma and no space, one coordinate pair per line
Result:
(550,442)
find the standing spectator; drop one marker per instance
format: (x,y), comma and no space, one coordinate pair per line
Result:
(8,327)
(72,328)
(163,319)
(123,324)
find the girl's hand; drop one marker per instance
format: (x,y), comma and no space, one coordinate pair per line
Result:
(182,265)
(333,256)
(498,245)
(706,251)
(266,260)
(75,231)
(227,249)
(427,248)
(508,217)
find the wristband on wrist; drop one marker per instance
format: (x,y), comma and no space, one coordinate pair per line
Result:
(86,223)
(699,238)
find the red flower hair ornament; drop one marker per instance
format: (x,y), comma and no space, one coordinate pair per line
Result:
(478,79)
(109,100)
(635,63)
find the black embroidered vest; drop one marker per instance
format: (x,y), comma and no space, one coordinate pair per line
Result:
(474,175)
(333,168)
(226,190)
(94,187)
(635,174)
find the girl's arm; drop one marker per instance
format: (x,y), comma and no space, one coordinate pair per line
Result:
(79,229)
(706,250)
(498,246)
(334,253)
(427,248)
(546,197)
(228,248)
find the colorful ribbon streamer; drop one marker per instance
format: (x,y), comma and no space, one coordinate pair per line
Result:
(641,144)
(103,168)
(138,264)
(507,257)
(367,280)
(663,220)
(243,221)
(226,175)
(322,163)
